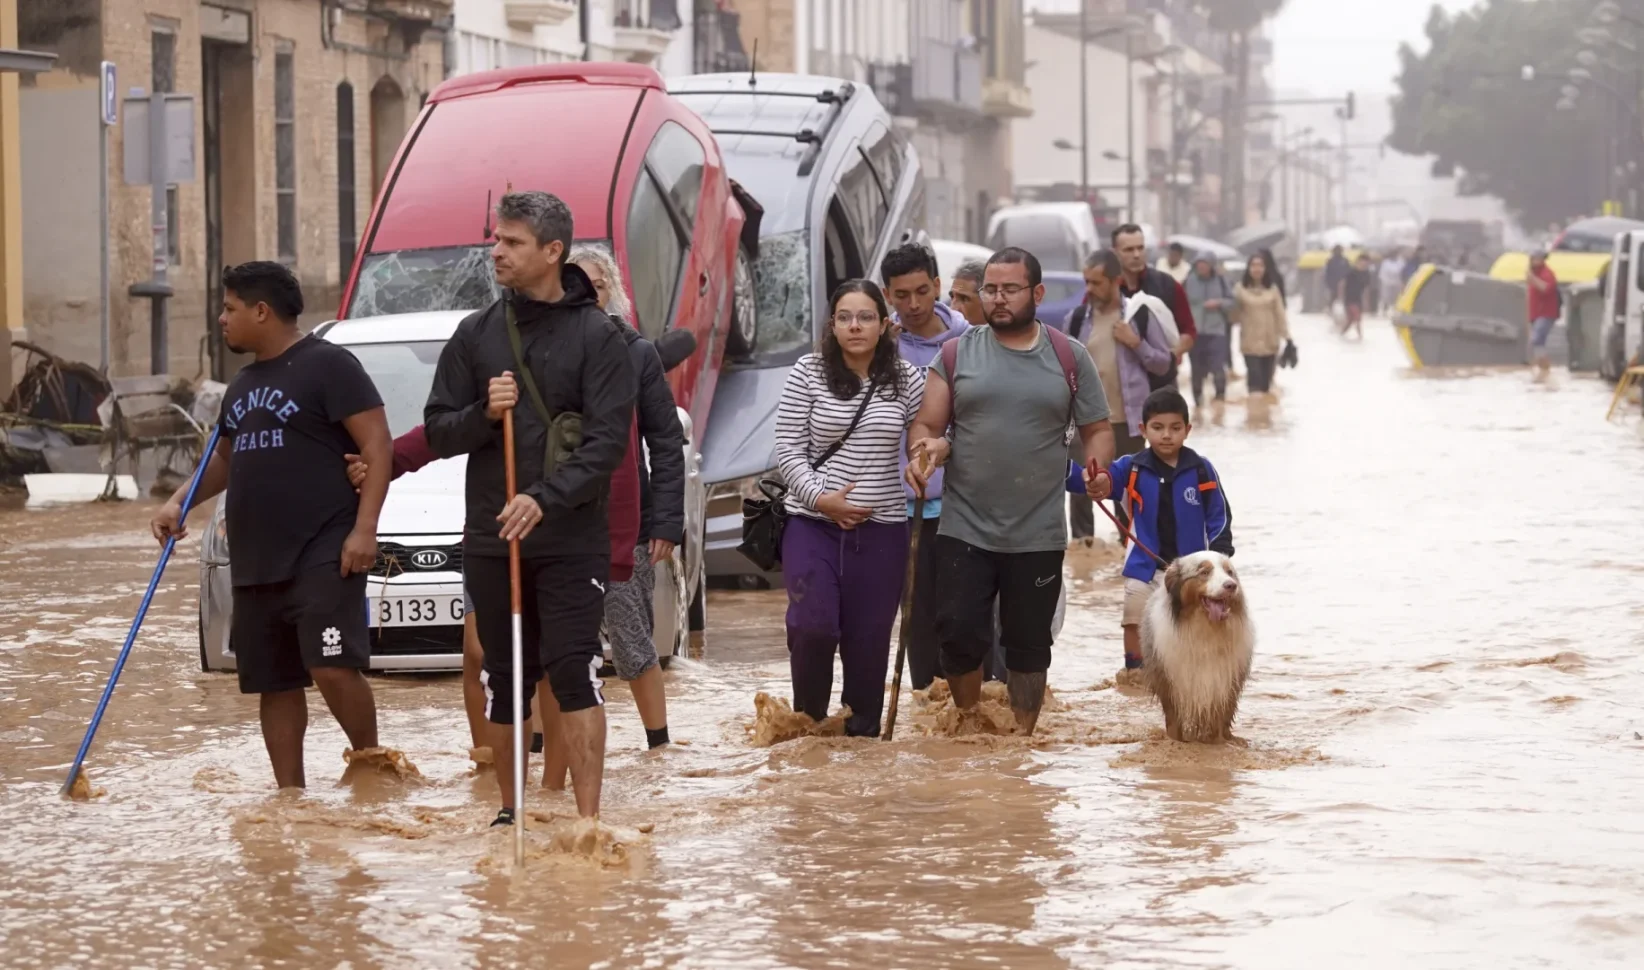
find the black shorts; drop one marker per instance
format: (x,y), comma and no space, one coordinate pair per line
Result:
(1027,584)
(562,607)
(281,631)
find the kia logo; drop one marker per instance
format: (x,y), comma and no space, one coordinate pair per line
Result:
(429,558)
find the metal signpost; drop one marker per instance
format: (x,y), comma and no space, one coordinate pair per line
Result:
(110,110)
(159,151)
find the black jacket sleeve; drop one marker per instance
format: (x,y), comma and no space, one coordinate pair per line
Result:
(454,418)
(665,441)
(608,390)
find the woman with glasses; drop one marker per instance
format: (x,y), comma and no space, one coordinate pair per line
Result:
(839,430)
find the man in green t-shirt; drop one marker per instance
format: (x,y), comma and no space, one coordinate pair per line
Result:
(1001,423)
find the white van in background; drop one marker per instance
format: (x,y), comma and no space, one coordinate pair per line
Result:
(1623,329)
(1060,234)
(951,254)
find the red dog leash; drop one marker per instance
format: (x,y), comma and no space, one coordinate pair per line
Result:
(1101,504)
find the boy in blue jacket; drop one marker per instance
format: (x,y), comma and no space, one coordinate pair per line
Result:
(1176,505)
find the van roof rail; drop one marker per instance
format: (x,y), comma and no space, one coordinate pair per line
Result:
(587,72)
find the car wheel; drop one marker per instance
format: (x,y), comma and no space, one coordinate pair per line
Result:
(744,311)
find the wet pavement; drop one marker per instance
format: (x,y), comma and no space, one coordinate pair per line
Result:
(1444,767)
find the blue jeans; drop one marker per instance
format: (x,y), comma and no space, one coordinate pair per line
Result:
(1540,329)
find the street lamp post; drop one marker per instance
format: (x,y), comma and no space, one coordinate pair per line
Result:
(1084,108)
(1130,128)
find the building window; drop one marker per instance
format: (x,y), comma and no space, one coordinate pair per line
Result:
(163,79)
(346,239)
(285,156)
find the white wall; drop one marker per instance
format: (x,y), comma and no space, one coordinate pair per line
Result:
(485,40)
(1053,76)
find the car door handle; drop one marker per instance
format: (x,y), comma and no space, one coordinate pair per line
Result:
(702,285)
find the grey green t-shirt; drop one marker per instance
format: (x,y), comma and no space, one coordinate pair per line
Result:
(1006,479)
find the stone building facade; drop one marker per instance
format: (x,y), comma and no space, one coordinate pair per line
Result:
(299,106)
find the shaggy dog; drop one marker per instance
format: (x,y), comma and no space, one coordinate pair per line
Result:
(1197,644)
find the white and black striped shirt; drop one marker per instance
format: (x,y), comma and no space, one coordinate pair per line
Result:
(810,419)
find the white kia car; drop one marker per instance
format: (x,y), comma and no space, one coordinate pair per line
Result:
(415,591)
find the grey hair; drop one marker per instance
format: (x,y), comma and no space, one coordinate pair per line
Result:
(971,271)
(618,304)
(547,215)
(1107,261)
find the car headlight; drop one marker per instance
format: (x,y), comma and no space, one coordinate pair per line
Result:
(214,541)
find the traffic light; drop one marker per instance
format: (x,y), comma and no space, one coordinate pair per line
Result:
(1350,107)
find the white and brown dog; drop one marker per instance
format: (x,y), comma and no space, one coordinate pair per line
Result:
(1197,645)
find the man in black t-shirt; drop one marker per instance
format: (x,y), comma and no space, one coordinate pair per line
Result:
(303,540)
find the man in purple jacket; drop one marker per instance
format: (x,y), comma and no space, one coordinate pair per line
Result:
(924,325)
(1125,353)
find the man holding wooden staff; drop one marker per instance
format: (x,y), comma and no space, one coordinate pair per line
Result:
(545,352)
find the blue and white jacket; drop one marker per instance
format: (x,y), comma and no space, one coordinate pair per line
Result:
(1196,518)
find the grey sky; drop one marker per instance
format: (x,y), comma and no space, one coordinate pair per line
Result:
(1332,46)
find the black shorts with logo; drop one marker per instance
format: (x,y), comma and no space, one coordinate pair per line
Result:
(562,608)
(281,631)
(1027,586)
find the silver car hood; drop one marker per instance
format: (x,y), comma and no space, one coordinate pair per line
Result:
(741,437)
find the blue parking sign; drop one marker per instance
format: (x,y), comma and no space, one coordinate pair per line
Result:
(111,101)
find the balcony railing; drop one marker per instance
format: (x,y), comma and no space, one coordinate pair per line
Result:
(946,77)
(717,37)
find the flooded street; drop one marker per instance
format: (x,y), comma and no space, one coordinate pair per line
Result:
(1444,769)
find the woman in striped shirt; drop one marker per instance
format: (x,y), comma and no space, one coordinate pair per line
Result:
(838,443)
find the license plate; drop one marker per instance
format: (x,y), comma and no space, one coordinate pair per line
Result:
(416,610)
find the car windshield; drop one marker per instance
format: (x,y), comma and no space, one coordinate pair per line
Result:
(1045,236)
(782,287)
(403,374)
(419,280)
(1576,242)
(1062,289)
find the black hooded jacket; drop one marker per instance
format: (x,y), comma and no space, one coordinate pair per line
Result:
(581,363)
(662,486)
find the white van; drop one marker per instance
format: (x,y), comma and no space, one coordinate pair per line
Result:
(1060,234)
(1623,328)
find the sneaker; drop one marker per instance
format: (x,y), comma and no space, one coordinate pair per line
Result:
(504,817)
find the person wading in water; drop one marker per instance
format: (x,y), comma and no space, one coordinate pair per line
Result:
(304,541)
(1010,391)
(578,365)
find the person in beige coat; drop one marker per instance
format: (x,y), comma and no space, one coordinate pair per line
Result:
(1263,325)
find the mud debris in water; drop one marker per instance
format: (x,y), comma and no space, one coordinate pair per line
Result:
(992,714)
(775,721)
(383,761)
(482,757)
(300,812)
(82,790)
(1565,660)
(221,780)
(1130,677)
(1161,752)
(559,838)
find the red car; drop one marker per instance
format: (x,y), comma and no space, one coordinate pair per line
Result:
(640,171)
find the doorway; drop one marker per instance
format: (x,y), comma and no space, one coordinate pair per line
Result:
(230,188)
(387,128)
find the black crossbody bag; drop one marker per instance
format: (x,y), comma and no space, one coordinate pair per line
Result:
(763,519)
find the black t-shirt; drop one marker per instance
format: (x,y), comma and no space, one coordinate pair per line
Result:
(290,505)
(1358,281)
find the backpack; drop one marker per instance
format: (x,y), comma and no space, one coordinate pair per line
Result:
(1059,342)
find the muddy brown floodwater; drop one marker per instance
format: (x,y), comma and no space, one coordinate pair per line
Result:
(1445,764)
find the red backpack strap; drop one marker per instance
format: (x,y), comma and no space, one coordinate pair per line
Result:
(1063,346)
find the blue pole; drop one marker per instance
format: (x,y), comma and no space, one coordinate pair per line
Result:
(142,611)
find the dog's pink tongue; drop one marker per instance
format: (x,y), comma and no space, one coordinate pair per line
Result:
(1215,609)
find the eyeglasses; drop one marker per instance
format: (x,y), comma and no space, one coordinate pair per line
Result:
(1009,291)
(866,318)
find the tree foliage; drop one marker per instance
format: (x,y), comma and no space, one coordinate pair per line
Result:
(1465,102)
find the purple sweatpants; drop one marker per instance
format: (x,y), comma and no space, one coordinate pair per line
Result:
(844,587)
